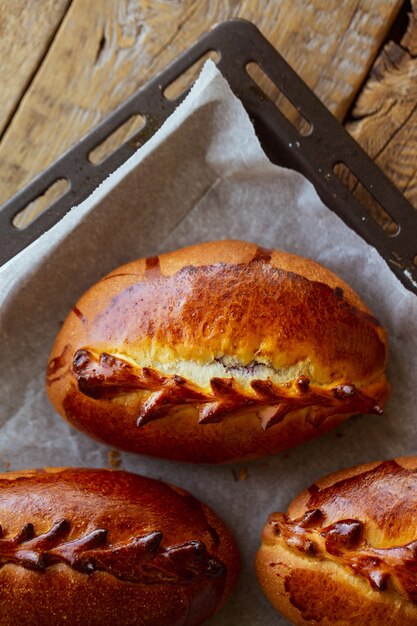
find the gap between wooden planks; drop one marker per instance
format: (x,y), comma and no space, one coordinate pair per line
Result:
(105,49)
(26,31)
(384,117)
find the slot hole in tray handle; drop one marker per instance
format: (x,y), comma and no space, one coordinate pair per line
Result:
(365,197)
(177,87)
(39,205)
(270,90)
(124,133)
(415,260)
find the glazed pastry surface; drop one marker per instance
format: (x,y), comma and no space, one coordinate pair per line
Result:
(217,352)
(346,551)
(102,547)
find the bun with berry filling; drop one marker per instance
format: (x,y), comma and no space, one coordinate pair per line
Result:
(218,352)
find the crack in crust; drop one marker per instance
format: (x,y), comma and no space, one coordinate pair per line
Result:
(345,542)
(138,559)
(106,376)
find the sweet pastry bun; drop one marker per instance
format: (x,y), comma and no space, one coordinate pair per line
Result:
(346,551)
(218,352)
(85,547)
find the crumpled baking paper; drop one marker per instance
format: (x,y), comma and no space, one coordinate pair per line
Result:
(202,176)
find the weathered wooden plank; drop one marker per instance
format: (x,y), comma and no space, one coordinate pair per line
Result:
(106,48)
(385,113)
(26,29)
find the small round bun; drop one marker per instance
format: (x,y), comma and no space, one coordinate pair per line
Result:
(83,547)
(346,551)
(218,352)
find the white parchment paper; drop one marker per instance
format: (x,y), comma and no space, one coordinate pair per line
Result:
(203,176)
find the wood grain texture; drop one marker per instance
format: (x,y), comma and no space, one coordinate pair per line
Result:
(106,49)
(385,114)
(26,29)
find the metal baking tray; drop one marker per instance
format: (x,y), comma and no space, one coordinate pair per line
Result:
(237,43)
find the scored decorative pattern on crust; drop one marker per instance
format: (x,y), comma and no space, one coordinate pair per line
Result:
(218,330)
(107,376)
(345,542)
(138,559)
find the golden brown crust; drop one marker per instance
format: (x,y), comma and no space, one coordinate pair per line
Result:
(102,547)
(223,329)
(346,551)
(106,376)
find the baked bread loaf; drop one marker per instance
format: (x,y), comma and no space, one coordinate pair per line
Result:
(346,551)
(218,352)
(99,548)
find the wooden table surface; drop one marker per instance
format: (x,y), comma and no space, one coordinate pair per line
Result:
(66,64)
